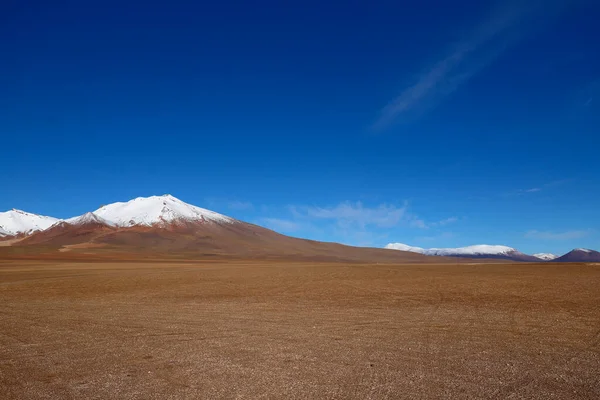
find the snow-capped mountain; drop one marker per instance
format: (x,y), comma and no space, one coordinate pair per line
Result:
(476,251)
(142,211)
(88,218)
(156,210)
(405,247)
(545,256)
(580,255)
(481,249)
(133,222)
(17,222)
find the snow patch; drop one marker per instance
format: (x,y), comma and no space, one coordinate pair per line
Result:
(87,218)
(545,256)
(16,222)
(148,211)
(405,247)
(476,250)
(584,250)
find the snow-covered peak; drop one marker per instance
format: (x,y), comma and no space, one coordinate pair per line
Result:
(476,250)
(584,250)
(405,247)
(545,256)
(88,218)
(154,210)
(16,222)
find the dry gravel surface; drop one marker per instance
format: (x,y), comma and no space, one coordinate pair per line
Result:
(277,330)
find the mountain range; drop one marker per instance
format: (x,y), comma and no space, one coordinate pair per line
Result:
(164,226)
(500,252)
(476,251)
(168,226)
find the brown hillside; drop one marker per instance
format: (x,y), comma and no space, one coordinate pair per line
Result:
(197,239)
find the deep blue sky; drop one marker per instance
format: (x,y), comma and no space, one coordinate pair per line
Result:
(429,123)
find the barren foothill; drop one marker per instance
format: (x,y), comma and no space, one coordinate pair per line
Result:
(298,330)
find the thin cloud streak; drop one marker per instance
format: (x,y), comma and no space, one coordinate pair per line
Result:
(282,225)
(522,192)
(487,42)
(349,222)
(355,215)
(349,213)
(568,235)
(446,221)
(240,205)
(442,236)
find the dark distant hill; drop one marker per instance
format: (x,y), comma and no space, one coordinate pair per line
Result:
(579,255)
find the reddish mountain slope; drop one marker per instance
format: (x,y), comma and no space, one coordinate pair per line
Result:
(194,239)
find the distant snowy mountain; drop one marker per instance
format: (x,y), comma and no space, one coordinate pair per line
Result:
(545,256)
(580,255)
(481,249)
(405,247)
(17,222)
(156,210)
(476,251)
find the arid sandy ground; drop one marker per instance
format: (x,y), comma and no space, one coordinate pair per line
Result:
(298,331)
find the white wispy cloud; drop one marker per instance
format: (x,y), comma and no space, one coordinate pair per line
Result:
(280,225)
(416,222)
(566,235)
(546,186)
(220,202)
(590,91)
(442,237)
(446,221)
(583,102)
(350,222)
(349,213)
(240,205)
(466,58)
(356,215)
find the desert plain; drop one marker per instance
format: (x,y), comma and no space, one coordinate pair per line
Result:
(236,329)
